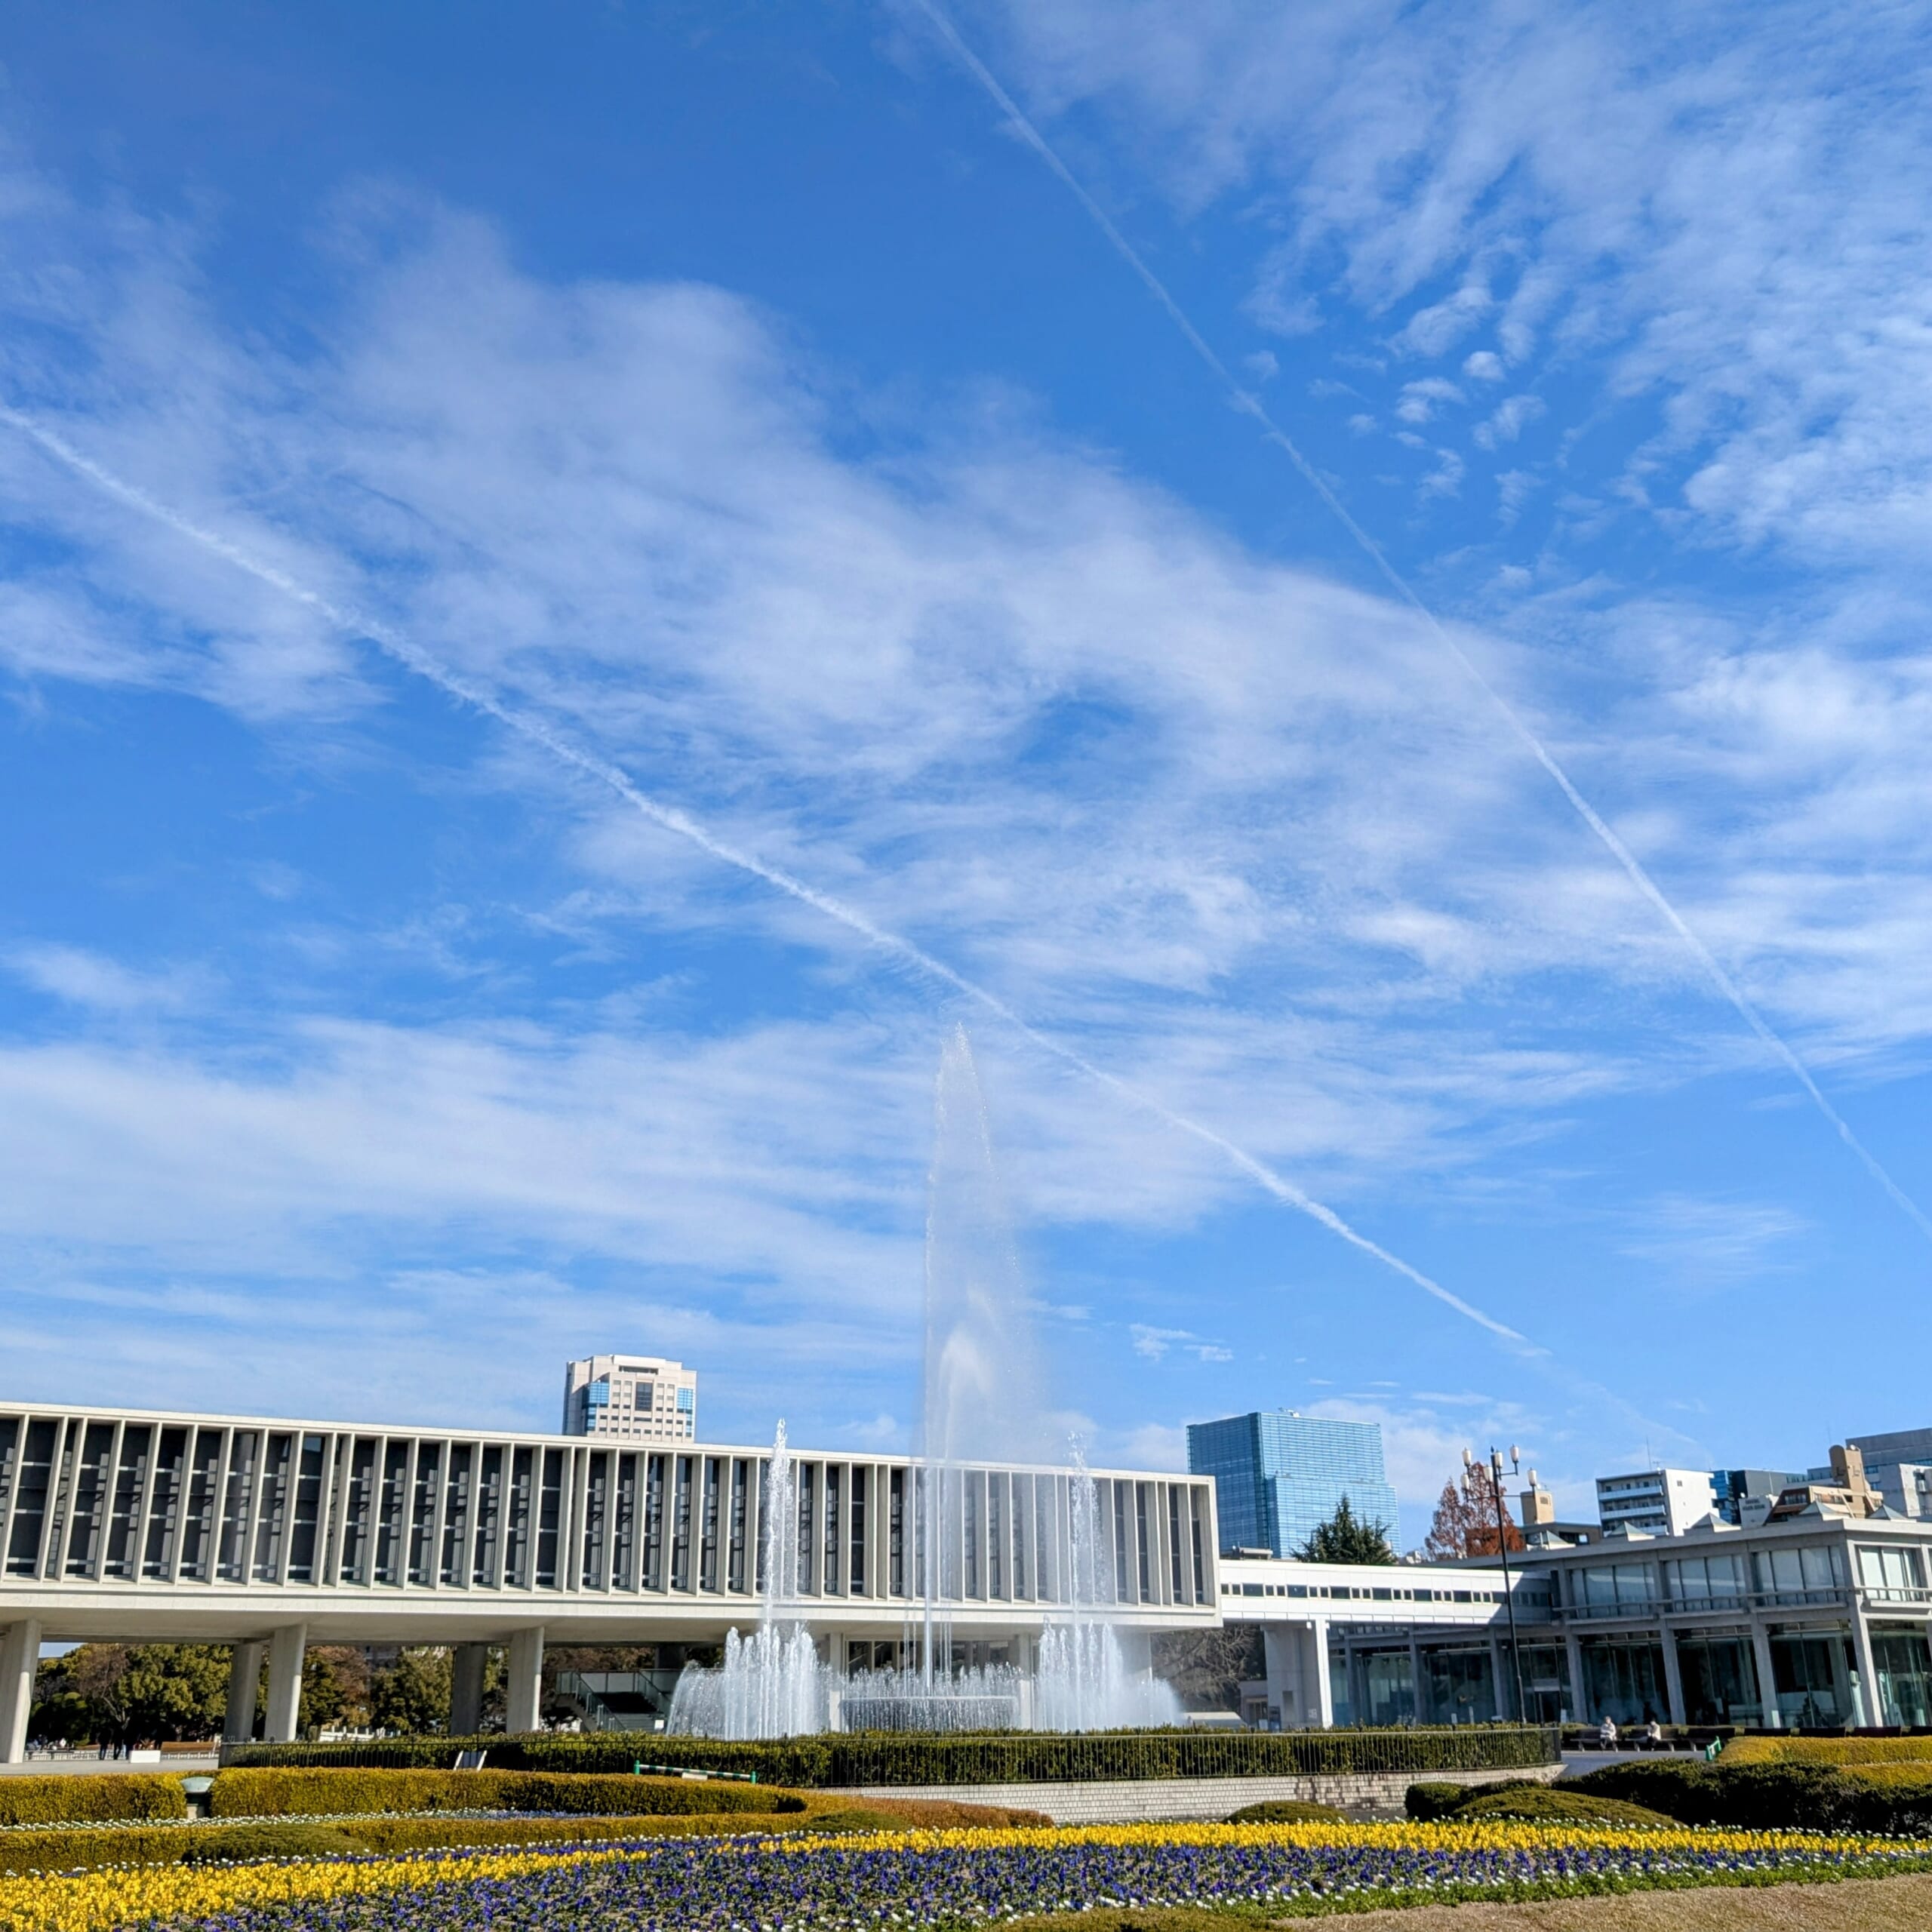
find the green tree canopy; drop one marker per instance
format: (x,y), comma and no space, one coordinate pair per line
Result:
(1345,1538)
(413,1695)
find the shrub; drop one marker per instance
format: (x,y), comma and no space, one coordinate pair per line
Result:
(1839,1751)
(1287,1811)
(1686,1790)
(430,1834)
(54,1850)
(1541,1804)
(885,1757)
(1775,1795)
(1426,1802)
(60,1801)
(855,1818)
(238,1844)
(276,1792)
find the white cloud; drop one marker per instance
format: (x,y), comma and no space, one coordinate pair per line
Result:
(1508,422)
(1722,213)
(1712,1243)
(1152,1344)
(81,978)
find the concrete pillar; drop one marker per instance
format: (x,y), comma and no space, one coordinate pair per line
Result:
(20,1658)
(1325,1686)
(1579,1696)
(523,1688)
(286,1649)
(244,1679)
(1870,1711)
(1417,1715)
(1673,1674)
(466,1671)
(1502,1685)
(1767,1688)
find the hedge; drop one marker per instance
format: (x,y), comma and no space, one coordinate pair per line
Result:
(73,1850)
(1878,1798)
(883,1758)
(70,1850)
(74,1800)
(289,1792)
(1828,1751)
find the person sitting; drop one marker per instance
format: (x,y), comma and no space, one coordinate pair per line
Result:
(1653,1736)
(1606,1733)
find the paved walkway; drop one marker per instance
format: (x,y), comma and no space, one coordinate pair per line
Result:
(84,1763)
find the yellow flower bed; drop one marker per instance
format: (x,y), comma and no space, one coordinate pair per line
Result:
(94,1901)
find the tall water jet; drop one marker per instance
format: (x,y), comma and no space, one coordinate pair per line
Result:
(983,1399)
(982,1402)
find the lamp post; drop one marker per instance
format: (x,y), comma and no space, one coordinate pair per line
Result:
(1502,1550)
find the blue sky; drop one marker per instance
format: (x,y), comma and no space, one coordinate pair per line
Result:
(734,398)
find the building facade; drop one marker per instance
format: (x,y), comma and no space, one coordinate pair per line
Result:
(1387,1644)
(139,1527)
(1279,1475)
(1660,1502)
(643,1398)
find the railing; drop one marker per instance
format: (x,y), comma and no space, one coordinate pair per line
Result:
(1739,1604)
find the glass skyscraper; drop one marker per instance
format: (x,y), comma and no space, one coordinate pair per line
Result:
(1278,1474)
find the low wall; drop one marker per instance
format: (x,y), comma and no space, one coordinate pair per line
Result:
(1157,1799)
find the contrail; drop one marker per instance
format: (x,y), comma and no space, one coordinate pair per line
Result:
(1251,404)
(538,731)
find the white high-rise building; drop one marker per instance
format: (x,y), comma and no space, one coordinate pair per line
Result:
(641,1397)
(1657,1503)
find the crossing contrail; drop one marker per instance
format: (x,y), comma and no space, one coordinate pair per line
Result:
(538,730)
(1245,400)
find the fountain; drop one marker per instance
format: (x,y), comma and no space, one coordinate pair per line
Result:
(982,1402)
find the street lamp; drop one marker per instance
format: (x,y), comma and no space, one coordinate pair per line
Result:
(1502,1550)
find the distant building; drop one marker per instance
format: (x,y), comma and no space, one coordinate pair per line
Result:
(1541,1527)
(1844,1490)
(1746,1495)
(1899,1466)
(644,1397)
(1278,1476)
(1657,1503)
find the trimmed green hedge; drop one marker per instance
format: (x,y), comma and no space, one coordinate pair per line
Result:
(1529,1799)
(1288,1811)
(233,1841)
(882,1758)
(288,1791)
(1763,1797)
(75,1800)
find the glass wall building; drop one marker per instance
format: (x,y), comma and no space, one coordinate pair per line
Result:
(1278,1475)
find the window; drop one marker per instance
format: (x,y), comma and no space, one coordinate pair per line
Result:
(1618,1589)
(1702,1579)
(1800,1572)
(1889,1570)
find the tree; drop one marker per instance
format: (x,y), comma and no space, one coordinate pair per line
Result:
(412,1696)
(335,1687)
(138,1694)
(177,1690)
(1345,1538)
(1465,1523)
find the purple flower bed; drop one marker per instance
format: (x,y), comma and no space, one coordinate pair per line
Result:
(711,1886)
